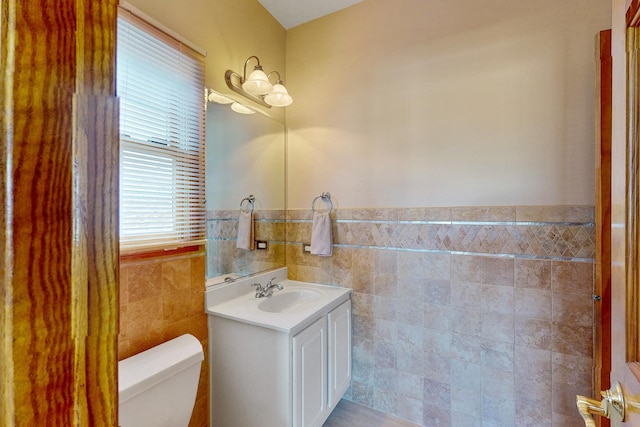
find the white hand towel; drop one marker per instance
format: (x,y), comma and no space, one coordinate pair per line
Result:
(245,239)
(321,234)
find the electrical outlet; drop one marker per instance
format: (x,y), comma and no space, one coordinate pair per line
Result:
(262,245)
(306,247)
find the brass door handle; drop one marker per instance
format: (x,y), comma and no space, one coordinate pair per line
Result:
(612,406)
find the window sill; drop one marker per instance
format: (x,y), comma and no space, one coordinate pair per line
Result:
(157,253)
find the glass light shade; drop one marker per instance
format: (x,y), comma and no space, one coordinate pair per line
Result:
(218,98)
(279,97)
(257,83)
(239,108)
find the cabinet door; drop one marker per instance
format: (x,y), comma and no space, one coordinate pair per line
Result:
(310,407)
(339,352)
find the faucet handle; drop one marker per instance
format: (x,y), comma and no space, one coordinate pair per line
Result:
(257,285)
(270,281)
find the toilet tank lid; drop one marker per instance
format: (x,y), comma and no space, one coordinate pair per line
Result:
(146,369)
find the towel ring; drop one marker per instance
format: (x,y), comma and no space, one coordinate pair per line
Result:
(326,197)
(250,199)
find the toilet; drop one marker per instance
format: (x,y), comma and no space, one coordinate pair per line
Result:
(157,387)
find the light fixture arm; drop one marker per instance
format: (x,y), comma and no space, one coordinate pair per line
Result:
(279,81)
(257,67)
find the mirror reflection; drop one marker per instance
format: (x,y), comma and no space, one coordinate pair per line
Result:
(245,156)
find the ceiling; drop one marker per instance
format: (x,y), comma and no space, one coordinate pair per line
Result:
(291,13)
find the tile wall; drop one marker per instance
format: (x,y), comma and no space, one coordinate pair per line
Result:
(162,297)
(222,255)
(464,316)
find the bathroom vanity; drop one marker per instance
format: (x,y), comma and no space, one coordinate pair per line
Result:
(283,360)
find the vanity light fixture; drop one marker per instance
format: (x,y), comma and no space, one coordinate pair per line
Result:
(278,97)
(213,96)
(217,97)
(257,83)
(257,86)
(242,109)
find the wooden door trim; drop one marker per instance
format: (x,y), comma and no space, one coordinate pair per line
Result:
(603,213)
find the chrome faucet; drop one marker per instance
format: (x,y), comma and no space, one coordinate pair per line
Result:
(267,291)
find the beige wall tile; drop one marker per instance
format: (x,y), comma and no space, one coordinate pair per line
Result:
(466,268)
(438,342)
(532,302)
(498,327)
(144,281)
(466,347)
(498,299)
(424,214)
(467,295)
(572,369)
(498,271)
(176,275)
(532,366)
(489,213)
(555,213)
(571,339)
(574,277)
(532,273)
(534,333)
(437,292)
(574,309)
(506,315)
(466,321)
(437,317)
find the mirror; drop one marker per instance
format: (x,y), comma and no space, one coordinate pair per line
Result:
(245,155)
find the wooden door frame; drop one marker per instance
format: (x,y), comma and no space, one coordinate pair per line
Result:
(602,315)
(59,222)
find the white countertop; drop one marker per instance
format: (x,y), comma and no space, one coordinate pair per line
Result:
(299,303)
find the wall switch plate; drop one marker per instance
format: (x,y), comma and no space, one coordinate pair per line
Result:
(262,245)
(306,247)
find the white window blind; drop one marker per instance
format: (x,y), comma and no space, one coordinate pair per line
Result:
(160,83)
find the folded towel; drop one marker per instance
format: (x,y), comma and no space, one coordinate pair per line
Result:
(321,234)
(245,239)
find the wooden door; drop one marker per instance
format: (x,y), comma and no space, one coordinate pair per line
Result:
(58,213)
(625,213)
(625,348)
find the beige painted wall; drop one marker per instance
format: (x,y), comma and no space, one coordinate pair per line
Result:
(444,103)
(230,32)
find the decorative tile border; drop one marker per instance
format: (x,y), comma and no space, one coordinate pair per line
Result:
(545,232)
(223,256)
(563,233)
(223,225)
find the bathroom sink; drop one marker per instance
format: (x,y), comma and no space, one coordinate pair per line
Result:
(286,300)
(288,310)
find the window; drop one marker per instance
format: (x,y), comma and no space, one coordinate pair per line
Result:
(161,88)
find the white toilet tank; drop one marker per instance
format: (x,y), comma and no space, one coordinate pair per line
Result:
(157,388)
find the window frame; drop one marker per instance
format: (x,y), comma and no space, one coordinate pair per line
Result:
(184,145)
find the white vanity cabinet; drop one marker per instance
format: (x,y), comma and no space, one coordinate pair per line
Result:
(310,378)
(339,349)
(271,371)
(321,366)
